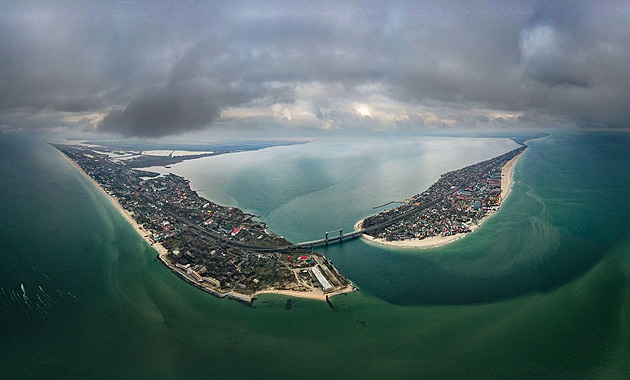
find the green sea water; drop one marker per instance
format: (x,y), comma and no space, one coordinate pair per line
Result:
(541,290)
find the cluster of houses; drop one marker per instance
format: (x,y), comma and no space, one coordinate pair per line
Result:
(193,229)
(459,199)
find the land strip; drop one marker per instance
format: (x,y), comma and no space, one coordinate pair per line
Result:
(221,250)
(458,203)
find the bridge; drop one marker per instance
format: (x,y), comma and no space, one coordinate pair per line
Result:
(328,238)
(335,239)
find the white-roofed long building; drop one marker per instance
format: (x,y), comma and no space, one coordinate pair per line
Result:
(322,280)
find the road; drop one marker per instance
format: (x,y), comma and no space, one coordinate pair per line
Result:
(226,240)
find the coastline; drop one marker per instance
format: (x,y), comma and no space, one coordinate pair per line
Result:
(437,241)
(125,214)
(316,294)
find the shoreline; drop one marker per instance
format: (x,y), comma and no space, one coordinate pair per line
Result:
(163,252)
(313,295)
(124,213)
(437,241)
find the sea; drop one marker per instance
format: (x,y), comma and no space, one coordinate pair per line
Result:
(540,291)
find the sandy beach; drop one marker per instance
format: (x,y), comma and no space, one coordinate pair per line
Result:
(314,295)
(139,229)
(506,176)
(437,241)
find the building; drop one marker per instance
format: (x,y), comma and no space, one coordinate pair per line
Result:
(322,280)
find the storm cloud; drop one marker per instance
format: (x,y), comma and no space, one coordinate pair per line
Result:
(154,69)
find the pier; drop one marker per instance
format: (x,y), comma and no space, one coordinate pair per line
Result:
(387,204)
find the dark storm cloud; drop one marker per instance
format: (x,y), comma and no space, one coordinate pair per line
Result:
(197,86)
(572,61)
(161,68)
(155,112)
(551,46)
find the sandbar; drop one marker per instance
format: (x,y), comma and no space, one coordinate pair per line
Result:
(436,241)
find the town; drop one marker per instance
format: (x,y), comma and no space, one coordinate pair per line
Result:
(455,203)
(221,250)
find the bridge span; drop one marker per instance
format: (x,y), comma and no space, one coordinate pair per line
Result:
(328,238)
(354,234)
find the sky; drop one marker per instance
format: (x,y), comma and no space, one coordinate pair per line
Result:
(160,69)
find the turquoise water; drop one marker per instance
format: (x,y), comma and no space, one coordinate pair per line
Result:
(540,291)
